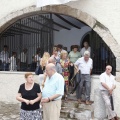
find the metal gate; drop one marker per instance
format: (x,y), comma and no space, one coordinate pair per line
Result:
(32,34)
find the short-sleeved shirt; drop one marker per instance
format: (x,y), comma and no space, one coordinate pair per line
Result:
(4,56)
(30,95)
(53,85)
(84,66)
(84,49)
(74,56)
(23,57)
(108,80)
(37,57)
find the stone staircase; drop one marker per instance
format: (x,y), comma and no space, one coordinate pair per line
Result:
(72,110)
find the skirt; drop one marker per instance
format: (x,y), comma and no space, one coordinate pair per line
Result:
(30,115)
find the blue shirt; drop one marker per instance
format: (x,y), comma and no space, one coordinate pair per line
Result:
(53,85)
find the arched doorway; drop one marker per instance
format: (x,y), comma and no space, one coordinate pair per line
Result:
(101,53)
(84,17)
(37,31)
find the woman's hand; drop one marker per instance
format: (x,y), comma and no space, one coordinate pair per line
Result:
(27,102)
(31,102)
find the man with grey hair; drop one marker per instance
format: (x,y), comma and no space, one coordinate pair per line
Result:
(84,65)
(85,48)
(107,87)
(57,65)
(52,93)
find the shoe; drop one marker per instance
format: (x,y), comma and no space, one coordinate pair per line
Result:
(79,101)
(91,101)
(116,118)
(88,102)
(112,119)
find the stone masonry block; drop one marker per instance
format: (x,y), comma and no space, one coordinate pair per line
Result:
(118,65)
(118,76)
(85,115)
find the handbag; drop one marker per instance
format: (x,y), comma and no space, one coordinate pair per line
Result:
(38,70)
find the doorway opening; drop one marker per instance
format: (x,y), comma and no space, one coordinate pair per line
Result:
(40,32)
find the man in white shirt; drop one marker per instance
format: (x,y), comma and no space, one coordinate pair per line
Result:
(107,87)
(23,60)
(85,48)
(4,57)
(84,64)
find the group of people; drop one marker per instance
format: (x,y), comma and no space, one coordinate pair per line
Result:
(30,96)
(58,69)
(8,63)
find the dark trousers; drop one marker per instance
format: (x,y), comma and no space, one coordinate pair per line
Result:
(85,78)
(71,71)
(5,66)
(23,66)
(77,81)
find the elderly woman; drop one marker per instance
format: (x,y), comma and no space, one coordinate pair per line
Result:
(29,94)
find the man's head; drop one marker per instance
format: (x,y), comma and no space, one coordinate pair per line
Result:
(52,60)
(50,69)
(25,50)
(5,47)
(86,55)
(59,47)
(86,44)
(108,69)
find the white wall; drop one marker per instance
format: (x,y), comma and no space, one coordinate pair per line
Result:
(105,11)
(70,37)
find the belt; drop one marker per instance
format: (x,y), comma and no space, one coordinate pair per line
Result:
(56,100)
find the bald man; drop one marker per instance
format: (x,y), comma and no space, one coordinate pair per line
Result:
(52,93)
(107,87)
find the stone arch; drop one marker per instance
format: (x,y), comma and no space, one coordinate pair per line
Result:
(99,28)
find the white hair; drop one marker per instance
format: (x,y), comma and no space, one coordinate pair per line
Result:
(86,53)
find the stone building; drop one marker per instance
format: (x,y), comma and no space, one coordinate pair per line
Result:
(98,15)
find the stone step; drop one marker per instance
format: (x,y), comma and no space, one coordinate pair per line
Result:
(73,110)
(67,112)
(76,114)
(86,107)
(70,104)
(67,119)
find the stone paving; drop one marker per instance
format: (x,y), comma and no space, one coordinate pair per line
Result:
(9,111)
